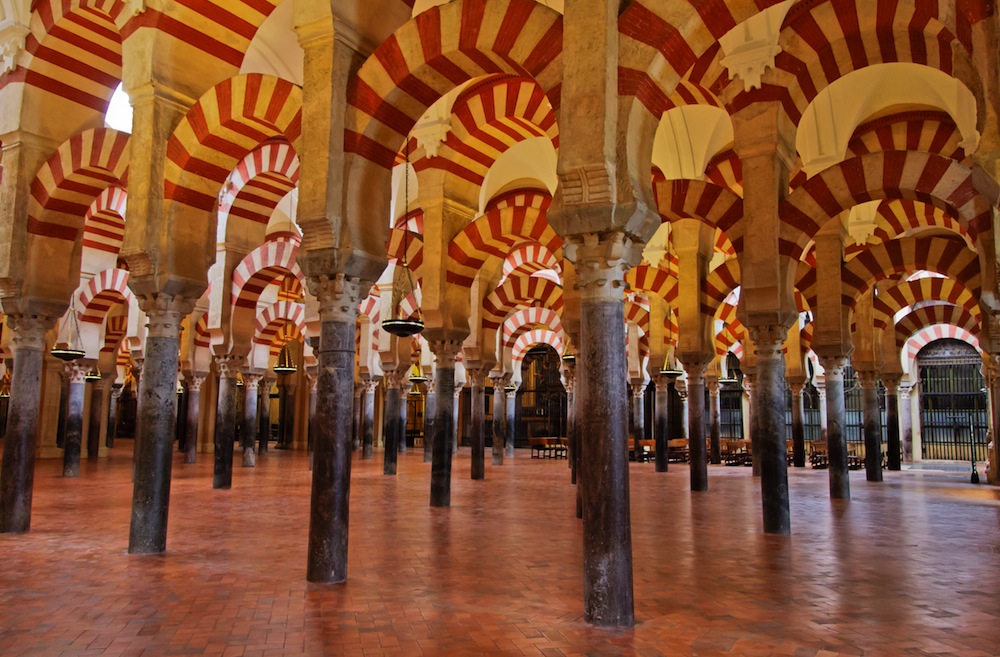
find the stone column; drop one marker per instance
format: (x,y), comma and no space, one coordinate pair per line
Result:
(430,412)
(17,470)
(96,415)
(225,422)
(696,424)
(751,406)
(569,383)
(390,421)
(248,432)
(368,419)
(116,395)
(264,414)
(359,391)
(893,446)
(288,415)
(509,420)
(836,441)
(873,425)
(155,424)
(661,420)
(798,424)
(63,397)
(445,351)
(456,396)
(338,299)
(607,537)
(284,440)
(311,428)
(906,422)
(404,403)
(769,423)
(499,411)
(181,421)
(638,416)
(714,420)
(74,419)
(193,385)
(476,378)
(821,395)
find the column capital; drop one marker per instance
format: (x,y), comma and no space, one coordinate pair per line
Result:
(359,389)
(164,313)
(251,381)
(768,340)
(476,377)
(28,331)
(904,392)
(638,389)
(312,378)
(796,387)
(76,373)
(602,262)
(891,383)
(445,351)
(834,365)
(228,365)
(458,392)
(193,382)
(393,380)
(338,296)
(369,385)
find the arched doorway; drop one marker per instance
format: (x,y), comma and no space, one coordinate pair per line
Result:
(953,401)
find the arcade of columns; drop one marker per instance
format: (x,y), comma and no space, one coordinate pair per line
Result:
(641,185)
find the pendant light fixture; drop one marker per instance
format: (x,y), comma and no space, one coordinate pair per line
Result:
(669,370)
(403,285)
(94,374)
(416,375)
(68,345)
(285,364)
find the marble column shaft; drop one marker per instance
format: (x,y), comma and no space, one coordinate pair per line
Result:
(404,407)
(478,423)
(74,420)
(193,384)
(769,424)
(798,425)
(893,446)
(661,421)
(445,352)
(368,419)
(17,470)
(359,392)
(873,425)
(390,423)
(264,415)
(456,398)
(638,416)
(497,426)
(836,441)
(509,421)
(96,415)
(696,427)
(906,423)
(248,431)
(113,406)
(225,424)
(714,421)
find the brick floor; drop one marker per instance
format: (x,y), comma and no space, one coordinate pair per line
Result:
(910,567)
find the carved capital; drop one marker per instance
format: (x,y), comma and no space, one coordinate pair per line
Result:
(165,313)
(76,373)
(713,385)
(904,392)
(891,383)
(370,385)
(638,389)
(393,380)
(193,383)
(602,262)
(476,377)
(796,387)
(338,296)
(445,352)
(867,378)
(251,382)
(29,331)
(768,341)
(834,365)
(228,365)
(458,392)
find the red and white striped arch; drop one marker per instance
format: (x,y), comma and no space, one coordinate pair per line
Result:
(726,170)
(259,182)
(202,337)
(520,291)
(930,131)
(101,293)
(261,267)
(414,243)
(287,332)
(529,259)
(927,335)
(637,313)
(527,318)
(273,317)
(532,338)
(889,175)
(654,280)
(902,218)
(72,178)
(114,332)
(936,254)
(929,288)
(104,221)
(705,201)
(719,284)
(932,314)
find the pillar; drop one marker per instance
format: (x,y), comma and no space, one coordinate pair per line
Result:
(368,419)
(264,414)
(404,398)
(477,380)
(74,419)
(696,424)
(284,440)
(311,428)
(338,298)
(430,412)
(769,424)
(836,441)
(390,422)
(638,417)
(661,421)
(893,446)
(96,415)
(456,398)
(873,425)
(17,470)
(445,351)
(751,418)
(607,536)
(225,422)
(821,400)
(181,422)
(155,423)
(906,422)
(359,392)
(714,421)
(63,397)
(798,424)
(499,411)
(113,405)
(509,421)
(193,385)
(288,414)
(248,432)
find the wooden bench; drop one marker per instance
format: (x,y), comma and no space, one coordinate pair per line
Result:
(736,452)
(548,447)
(677,450)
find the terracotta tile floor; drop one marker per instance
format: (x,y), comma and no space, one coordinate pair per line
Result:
(910,567)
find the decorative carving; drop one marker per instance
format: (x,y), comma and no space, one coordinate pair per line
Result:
(392,379)
(445,352)
(768,341)
(229,365)
(76,373)
(370,385)
(834,365)
(476,377)
(602,263)
(28,331)
(638,389)
(587,185)
(193,383)
(714,387)
(252,381)
(165,313)
(338,296)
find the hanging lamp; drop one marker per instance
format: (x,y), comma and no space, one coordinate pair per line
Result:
(94,374)
(668,370)
(569,358)
(416,375)
(285,364)
(403,285)
(69,347)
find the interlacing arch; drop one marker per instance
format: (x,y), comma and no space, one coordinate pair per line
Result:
(529,259)
(261,267)
(114,332)
(261,179)
(705,201)
(931,131)
(892,175)
(927,288)
(287,332)
(654,280)
(273,317)
(936,314)
(414,243)
(718,284)
(532,338)
(897,219)
(637,312)
(104,221)
(101,293)
(936,254)
(527,318)
(517,291)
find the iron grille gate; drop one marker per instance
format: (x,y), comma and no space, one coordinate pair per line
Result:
(810,415)
(952,402)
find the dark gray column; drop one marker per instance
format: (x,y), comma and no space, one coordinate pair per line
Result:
(359,391)
(509,420)
(476,380)
(603,427)
(821,400)
(906,420)
(331,475)
(714,421)
(63,397)
(769,424)
(264,414)
(193,385)
(112,430)
(893,446)
(638,415)
(74,419)
(456,398)
(283,440)
(873,425)
(445,351)
(312,378)
(404,398)
(430,413)
(17,470)
(798,424)
(499,411)
(390,422)
(661,420)
(836,415)
(225,422)
(155,423)
(749,381)
(248,431)
(181,422)
(368,419)
(288,416)
(96,415)
(696,424)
